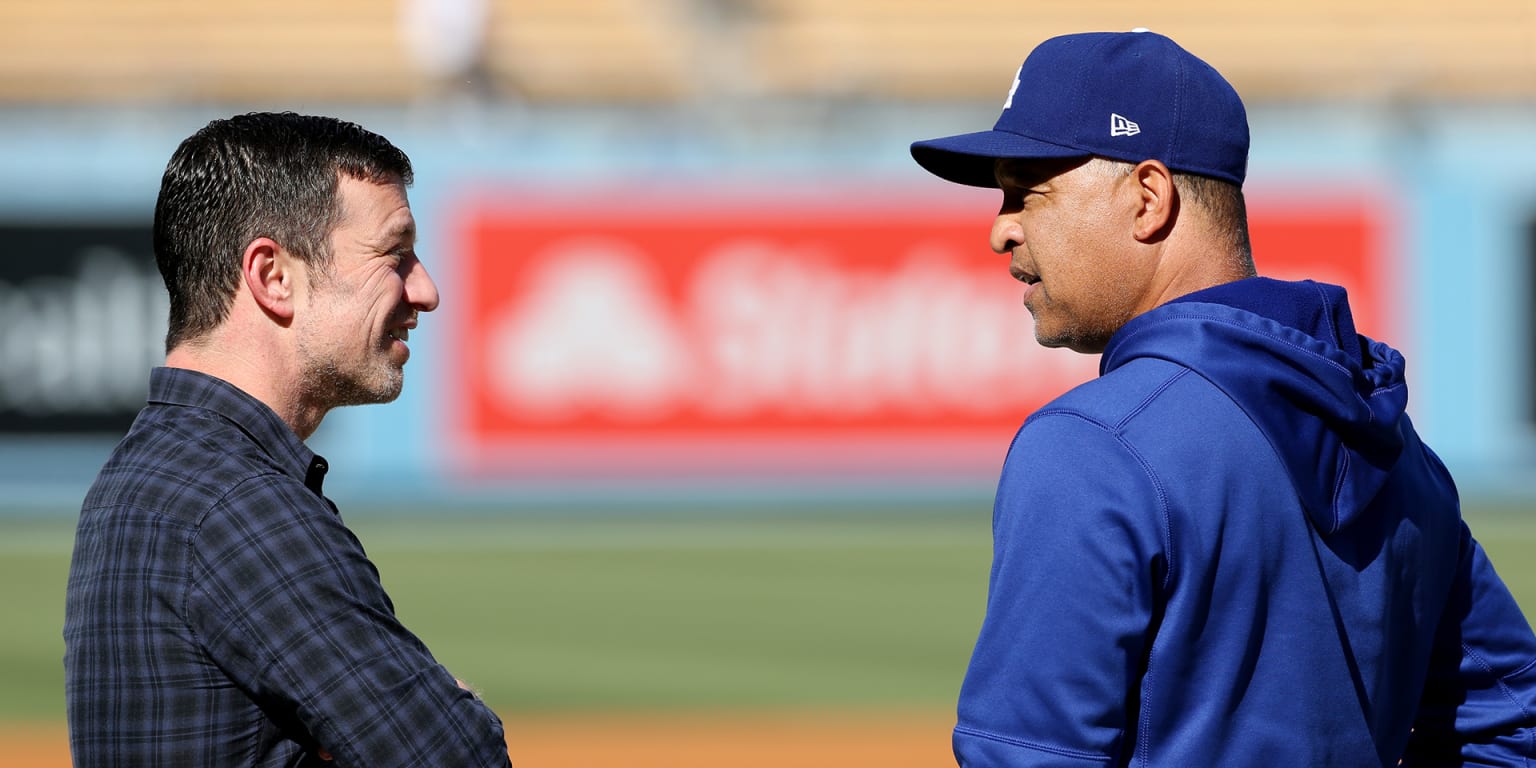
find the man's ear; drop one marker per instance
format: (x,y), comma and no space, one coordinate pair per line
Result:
(270,273)
(1159,200)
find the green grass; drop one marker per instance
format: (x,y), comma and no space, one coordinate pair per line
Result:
(858,611)
(34,567)
(695,613)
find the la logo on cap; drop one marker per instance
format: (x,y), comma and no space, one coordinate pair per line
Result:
(1012,89)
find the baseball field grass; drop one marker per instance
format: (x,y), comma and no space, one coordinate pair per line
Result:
(807,637)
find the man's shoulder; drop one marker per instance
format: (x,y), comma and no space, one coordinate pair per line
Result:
(1124,393)
(179,463)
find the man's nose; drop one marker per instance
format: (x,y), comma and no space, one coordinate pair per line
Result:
(420,290)
(1006,234)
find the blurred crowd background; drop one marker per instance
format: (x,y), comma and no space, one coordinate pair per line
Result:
(685,253)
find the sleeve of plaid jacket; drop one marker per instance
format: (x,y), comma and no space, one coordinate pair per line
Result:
(288,604)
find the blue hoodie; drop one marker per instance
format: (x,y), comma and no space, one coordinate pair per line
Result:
(1231,549)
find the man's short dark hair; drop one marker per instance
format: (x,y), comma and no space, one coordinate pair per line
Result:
(1224,204)
(263,174)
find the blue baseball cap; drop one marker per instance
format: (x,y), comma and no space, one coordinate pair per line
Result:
(1127,96)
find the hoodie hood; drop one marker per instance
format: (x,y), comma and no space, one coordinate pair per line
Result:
(1329,401)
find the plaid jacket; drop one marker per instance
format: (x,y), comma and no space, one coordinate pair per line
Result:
(219,613)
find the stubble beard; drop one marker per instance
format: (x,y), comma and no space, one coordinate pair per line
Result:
(331,386)
(1075,333)
(327,383)
(1089,333)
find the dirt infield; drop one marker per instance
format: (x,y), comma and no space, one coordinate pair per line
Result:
(654,741)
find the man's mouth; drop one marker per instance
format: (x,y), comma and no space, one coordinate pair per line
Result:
(1027,278)
(400,334)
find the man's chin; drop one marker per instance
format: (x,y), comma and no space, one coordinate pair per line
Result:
(390,392)
(1081,345)
(376,393)
(1051,340)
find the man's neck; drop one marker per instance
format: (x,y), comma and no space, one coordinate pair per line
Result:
(258,375)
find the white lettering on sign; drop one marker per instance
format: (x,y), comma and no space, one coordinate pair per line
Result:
(81,344)
(796,332)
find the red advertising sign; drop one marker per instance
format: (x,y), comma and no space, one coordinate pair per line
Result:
(698,336)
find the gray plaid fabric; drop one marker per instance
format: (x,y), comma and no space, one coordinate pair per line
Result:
(219,613)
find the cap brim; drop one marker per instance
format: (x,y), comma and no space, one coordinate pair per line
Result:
(971,158)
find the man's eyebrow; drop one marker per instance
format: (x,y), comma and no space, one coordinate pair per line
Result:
(1009,174)
(1028,173)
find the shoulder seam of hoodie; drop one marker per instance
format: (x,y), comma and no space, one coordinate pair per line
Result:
(1117,433)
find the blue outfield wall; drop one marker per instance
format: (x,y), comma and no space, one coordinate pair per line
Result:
(1457,188)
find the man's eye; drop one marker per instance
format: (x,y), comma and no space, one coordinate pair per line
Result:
(1015,199)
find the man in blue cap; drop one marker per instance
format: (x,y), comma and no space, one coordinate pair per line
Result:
(1232,547)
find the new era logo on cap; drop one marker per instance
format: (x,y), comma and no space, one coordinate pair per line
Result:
(1121,126)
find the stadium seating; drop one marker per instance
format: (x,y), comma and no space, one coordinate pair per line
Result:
(166,51)
(665,51)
